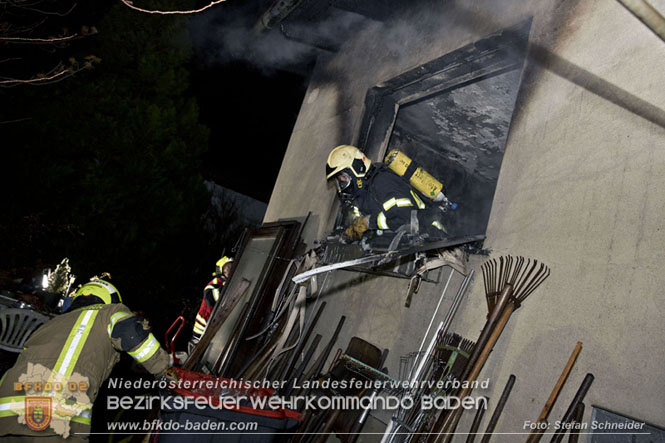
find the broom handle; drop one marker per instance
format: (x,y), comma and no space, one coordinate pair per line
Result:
(453,418)
(536,434)
(490,324)
(494,316)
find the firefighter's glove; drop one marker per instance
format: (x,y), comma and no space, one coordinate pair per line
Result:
(357,228)
(170,375)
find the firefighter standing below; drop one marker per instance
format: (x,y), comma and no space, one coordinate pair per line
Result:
(380,199)
(211,294)
(74,352)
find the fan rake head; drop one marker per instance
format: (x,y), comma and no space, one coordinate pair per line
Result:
(524,275)
(453,352)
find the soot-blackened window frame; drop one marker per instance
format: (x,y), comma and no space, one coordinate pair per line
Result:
(498,53)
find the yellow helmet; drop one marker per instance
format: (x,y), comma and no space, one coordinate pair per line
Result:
(347,157)
(101,289)
(219,266)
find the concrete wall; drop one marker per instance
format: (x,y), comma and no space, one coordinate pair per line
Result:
(580,188)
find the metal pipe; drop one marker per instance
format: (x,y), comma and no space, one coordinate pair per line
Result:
(456,302)
(301,367)
(285,375)
(579,416)
(425,358)
(647,14)
(451,312)
(321,359)
(389,434)
(579,397)
(499,408)
(438,305)
(476,422)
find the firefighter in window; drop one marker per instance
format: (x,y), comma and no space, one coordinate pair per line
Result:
(211,294)
(395,197)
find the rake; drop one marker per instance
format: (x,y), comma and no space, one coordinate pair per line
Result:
(455,351)
(451,357)
(508,282)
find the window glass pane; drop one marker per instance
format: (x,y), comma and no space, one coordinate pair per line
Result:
(254,257)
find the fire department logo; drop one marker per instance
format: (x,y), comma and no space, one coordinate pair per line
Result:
(38,412)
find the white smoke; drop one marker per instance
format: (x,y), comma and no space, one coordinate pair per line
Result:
(224,35)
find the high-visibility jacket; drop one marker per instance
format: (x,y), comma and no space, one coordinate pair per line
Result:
(211,294)
(387,200)
(77,349)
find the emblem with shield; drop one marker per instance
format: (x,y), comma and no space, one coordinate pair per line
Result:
(38,412)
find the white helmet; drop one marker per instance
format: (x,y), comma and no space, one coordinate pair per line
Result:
(347,157)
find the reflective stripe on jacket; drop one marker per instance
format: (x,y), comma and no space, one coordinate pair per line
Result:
(387,199)
(211,294)
(71,355)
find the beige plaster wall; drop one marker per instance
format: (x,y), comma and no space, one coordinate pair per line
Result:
(580,188)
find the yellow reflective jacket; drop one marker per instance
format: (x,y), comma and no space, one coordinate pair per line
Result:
(58,375)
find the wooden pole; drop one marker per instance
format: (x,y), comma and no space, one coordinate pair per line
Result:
(536,434)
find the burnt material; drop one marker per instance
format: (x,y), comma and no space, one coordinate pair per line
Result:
(286,374)
(301,368)
(453,115)
(316,369)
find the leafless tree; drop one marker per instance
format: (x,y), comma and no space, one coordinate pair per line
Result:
(32,38)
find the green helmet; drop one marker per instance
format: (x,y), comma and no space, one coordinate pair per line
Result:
(101,289)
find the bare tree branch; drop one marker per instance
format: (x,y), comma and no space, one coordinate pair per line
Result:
(38,40)
(59,14)
(8,30)
(16,120)
(191,11)
(57,74)
(20,22)
(35,80)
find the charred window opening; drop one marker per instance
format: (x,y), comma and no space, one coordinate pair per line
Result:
(452,116)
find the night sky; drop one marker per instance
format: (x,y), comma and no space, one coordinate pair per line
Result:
(113,156)
(250,115)
(249,104)
(249,95)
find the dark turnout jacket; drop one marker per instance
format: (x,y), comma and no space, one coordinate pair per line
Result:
(386,199)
